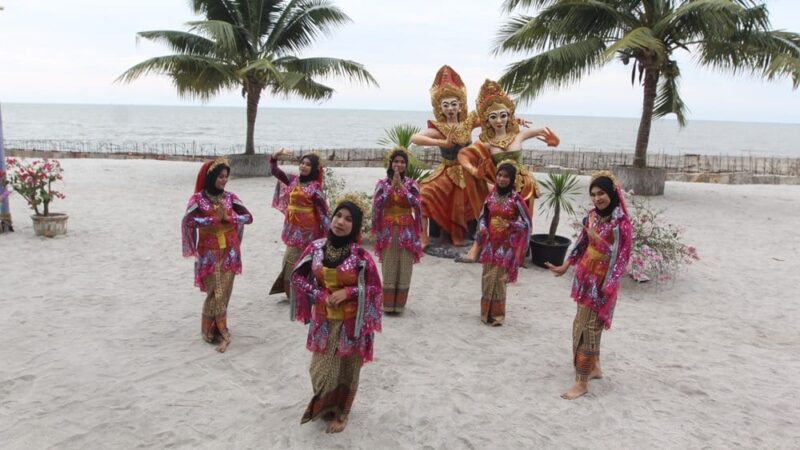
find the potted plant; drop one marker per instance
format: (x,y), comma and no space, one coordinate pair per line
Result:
(33,180)
(559,188)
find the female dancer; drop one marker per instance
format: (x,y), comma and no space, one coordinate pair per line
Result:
(302,201)
(396,224)
(212,232)
(501,140)
(336,287)
(504,228)
(601,258)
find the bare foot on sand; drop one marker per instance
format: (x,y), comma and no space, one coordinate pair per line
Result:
(575,391)
(223,345)
(471,256)
(336,425)
(596,374)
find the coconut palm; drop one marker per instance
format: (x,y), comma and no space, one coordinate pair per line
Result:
(252,45)
(577,37)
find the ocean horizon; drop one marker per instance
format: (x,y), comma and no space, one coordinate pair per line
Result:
(222,129)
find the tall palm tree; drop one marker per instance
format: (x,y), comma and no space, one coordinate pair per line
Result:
(252,45)
(577,37)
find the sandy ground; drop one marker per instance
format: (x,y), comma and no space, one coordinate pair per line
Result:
(102,346)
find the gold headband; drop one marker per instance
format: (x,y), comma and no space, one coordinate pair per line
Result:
(388,157)
(497,106)
(607,174)
(221,161)
(354,199)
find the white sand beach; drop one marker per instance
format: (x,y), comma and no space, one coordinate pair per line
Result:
(102,343)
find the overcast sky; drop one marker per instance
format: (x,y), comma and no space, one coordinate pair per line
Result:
(59,51)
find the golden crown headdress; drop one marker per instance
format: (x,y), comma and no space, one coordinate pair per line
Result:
(221,161)
(448,83)
(492,98)
(607,174)
(354,199)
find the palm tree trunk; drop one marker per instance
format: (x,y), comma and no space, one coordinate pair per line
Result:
(551,237)
(643,137)
(253,97)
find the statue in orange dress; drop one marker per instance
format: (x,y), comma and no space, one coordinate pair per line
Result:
(501,140)
(451,196)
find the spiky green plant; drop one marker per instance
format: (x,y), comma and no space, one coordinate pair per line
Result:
(559,190)
(252,45)
(573,38)
(400,136)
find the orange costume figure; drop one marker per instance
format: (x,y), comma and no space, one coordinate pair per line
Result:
(451,196)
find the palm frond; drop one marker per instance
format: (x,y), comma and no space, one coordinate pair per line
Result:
(306,88)
(306,22)
(399,136)
(223,34)
(641,41)
(511,5)
(179,41)
(223,10)
(264,69)
(554,68)
(258,16)
(564,23)
(668,100)
(327,67)
(771,54)
(193,76)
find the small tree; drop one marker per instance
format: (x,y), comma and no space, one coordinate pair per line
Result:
(559,188)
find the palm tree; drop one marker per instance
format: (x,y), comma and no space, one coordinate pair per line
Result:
(577,37)
(252,45)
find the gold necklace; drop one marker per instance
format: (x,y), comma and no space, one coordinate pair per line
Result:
(335,254)
(503,142)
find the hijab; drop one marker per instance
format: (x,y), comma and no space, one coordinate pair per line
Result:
(511,171)
(336,253)
(607,186)
(314,174)
(209,183)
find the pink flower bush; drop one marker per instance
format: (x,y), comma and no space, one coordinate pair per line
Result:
(33,180)
(658,251)
(4,183)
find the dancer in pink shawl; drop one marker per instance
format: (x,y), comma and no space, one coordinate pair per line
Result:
(600,258)
(503,230)
(302,201)
(397,224)
(337,289)
(212,233)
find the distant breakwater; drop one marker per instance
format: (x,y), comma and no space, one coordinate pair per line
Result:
(733,169)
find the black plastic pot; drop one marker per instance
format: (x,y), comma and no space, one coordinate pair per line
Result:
(542,252)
